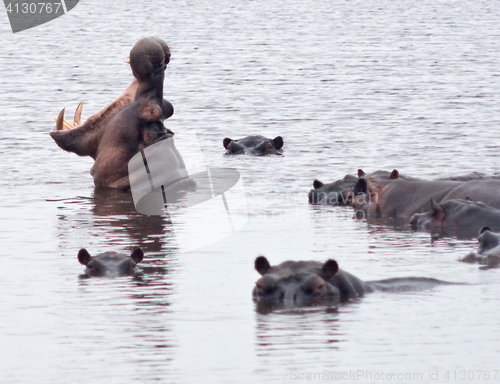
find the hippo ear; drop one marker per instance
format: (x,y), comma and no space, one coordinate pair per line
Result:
(277,142)
(329,269)
(361,173)
(137,255)
(438,212)
(151,112)
(484,229)
(83,256)
(360,187)
(226,142)
(262,265)
(317,184)
(394,175)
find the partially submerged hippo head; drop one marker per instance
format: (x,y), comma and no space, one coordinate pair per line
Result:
(368,191)
(254,145)
(488,253)
(343,191)
(110,263)
(432,220)
(340,192)
(296,282)
(489,241)
(305,283)
(457,217)
(132,122)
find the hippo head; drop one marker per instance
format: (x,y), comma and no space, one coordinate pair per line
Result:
(367,192)
(488,241)
(254,145)
(366,199)
(339,192)
(296,283)
(130,123)
(488,253)
(110,263)
(432,220)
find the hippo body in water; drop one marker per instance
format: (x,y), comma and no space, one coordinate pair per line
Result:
(110,263)
(254,145)
(488,253)
(306,283)
(457,217)
(129,124)
(400,198)
(486,191)
(404,198)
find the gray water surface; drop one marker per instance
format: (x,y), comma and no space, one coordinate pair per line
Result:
(412,85)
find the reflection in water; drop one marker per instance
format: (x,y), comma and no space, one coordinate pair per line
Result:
(136,312)
(324,215)
(312,331)
(110,216)
(267,306)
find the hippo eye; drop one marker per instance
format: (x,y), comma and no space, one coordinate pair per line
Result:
(267,289)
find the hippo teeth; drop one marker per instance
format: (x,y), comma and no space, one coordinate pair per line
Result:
(78,114)
(62,124)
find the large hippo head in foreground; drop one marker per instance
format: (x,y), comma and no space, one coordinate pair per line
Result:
(303,283)
(309,283)
(110,263)
(132,122)
(254,145)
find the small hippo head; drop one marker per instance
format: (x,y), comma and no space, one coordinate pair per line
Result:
(296,283)
(431,220)
(447,214)
(339,192)
(488,241)
(110,263)
(254,145)
(488,253)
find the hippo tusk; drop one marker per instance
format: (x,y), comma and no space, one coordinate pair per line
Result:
(78,114)
(127,61)
(60,120)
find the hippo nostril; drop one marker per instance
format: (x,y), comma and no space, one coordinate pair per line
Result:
(320,290)
(294,298)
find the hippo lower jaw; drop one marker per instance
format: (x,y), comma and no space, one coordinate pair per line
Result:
(92,137)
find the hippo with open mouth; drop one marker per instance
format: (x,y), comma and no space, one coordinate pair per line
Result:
(129,124)
(308,283)
(111,263)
